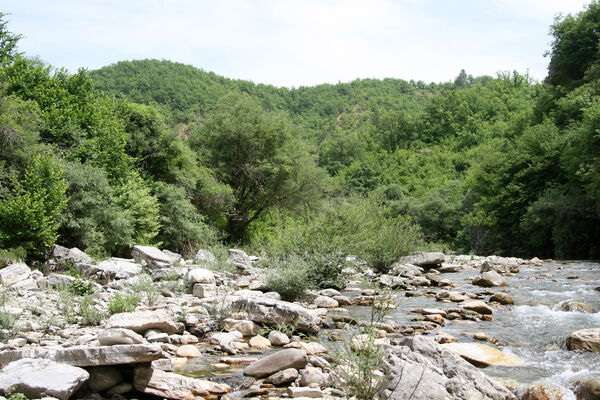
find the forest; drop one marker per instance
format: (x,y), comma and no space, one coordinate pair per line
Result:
(160,153)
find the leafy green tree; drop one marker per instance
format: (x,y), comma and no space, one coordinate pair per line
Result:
(8,42)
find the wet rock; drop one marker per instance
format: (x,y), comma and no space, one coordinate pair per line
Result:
(88,356)
(260,343)
(313,393)
(541,392)
(102,378)
(284,359)
(443,337)
(490,279)
(188,351)
(278,338)
(502,298)
(420,369)
(41,378)
(274,312)
(325,302)
(587,387)
(577,306)
(141,321)
(406,270)
(423,259)
(174,386)
(478,306)
(14,273)
(449,268)
(420,281)
(502,265)
(114,336)
(283,377)
(200,275)
(482,355)
(585,339)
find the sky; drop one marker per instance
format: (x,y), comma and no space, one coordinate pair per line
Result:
(296,42)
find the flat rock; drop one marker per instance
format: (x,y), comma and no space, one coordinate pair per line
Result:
(423,259)
(87,356)
(308,392)
(283,377)
(482,355)
(502,298)
(141,321)
(41,378)
(113,268)
(284,359)
(490,279)
(14,273)
(478,306)
(114,336)
(174,386)
(151,256)
(273,312)
(585,339)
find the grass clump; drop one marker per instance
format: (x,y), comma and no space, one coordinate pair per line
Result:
(289,277)
(123,303)
(9,256)
(145,288)
(89,313)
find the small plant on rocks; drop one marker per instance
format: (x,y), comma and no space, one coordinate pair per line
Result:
(123,303)
(89,313)
(144,286)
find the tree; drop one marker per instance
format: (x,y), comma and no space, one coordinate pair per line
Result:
(259,156)
(8,42)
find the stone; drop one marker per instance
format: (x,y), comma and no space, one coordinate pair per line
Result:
(423,259)
(310,375)
(245,327)
(120,389)
(200,275)
(502,298)
(284,359)
(541,392)
(141,321)
(343,300)
(102,378)
(443,337)
(587,387)
(585,339)
(113,268)
(278,338)
(457,297)
(406,270)
(325,302)
(478,306)
(576,306)
(329,292)
(449,268)
(150,256)
(27,284)
(226,338)
(482,355)
(308,392)
(174,386)
(205,257)
(14,273)
(114,336)
(41,378)
(490,279)
(88,356)
(188,351)
(260,343)
(502,265)
(312,348)
(283,377)
(204,290)
(274,312)
(420,369)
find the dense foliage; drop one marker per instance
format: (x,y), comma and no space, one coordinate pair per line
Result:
(156,152)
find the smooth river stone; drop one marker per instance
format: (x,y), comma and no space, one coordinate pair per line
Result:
(482,355)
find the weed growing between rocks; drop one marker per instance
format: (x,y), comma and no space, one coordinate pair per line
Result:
(144,286)
(8,321)
(123,303)
(219,308)
(90,314)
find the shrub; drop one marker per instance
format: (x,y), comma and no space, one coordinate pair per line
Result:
(89,313)
(145,288)
(290,278)
(119,303)
(8,256)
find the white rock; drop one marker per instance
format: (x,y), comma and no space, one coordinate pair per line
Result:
(110,337)
(141,321)
(204,290)
(200,275)
(14,273)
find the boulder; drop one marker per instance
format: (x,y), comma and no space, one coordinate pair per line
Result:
(449,268)
(278,338)
(174,386)
(113,268)
(490,279)
(150,256)
(541,392)
(273,312)
(14,273)
(325,302)
(41,378)
(110,337)
(260,342)
(102,378)
(577,307)
(284,359)
(587,387)
(478,306)
(502,298)
(200,275)
(482,355)
(585,339)
(304,392)
(420,369)
(283,377)
(88,356)
(204,290)
(423,259)
(245,327)
(141,321)
(188,351)
(406,270)
(502,265)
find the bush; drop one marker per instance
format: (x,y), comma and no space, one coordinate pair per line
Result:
(145,288)
(89,313)
(9,256)
(290,278)
(119,304)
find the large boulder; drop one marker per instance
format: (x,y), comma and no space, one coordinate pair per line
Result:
(490,279)
(113,336)
(113,268)
(406,270)
(585,339)
(502,265)
(271,364)
(587,387)
(576,306)
(423,259)
(482,355)
(420,369)
(141,321)
(150,256)
(174,386)
(88,356)
(14,273)
(37,378)
(200,275)
(273,312)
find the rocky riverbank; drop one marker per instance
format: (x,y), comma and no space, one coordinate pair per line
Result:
(212,329)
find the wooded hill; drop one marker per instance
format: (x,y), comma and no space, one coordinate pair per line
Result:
(152,151)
